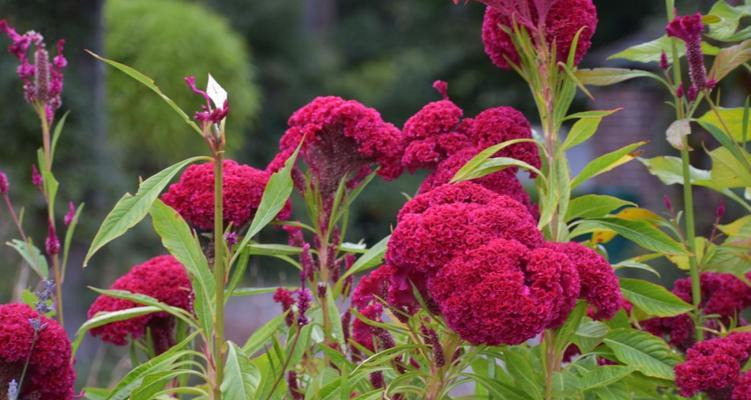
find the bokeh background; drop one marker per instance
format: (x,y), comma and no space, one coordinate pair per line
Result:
(274,56)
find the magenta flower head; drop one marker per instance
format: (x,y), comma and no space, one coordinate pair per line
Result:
(208,114)
(42,80)
(688,28)
(27,335)
(193,195)
(502,182)
(342,138)
(434,133)
(557,21)
(503,292)
(4,184)
(721,293)
(714,367)
(162,278)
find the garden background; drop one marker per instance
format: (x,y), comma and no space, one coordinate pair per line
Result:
(273,57)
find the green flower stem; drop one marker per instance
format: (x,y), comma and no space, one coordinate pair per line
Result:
(219,274)
(688,200)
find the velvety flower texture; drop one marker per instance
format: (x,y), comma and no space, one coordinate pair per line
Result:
(560,24)
(503,292)
(678,330)
(502,182)
(599,284)
(162,278)
(193,195)
(342,137)
(689,28)
(50,374)
(742,390)
(714,367)
(501,124)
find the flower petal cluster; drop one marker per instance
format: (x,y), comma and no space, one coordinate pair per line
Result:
(193,195)
(50,374)
(501,124)
(42,80)
(688,28)
(162,278)
(558,25)
(714,367)
(480,259)
(342,138)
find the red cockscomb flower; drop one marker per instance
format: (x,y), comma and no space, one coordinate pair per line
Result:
(501,124)
(362,333)
(434,133)
(599,284)
(502,292)
(162,278)
(437,225)
(723,294)
(502,182)
(373,286)
(193,195)
(713,366)
(742,390)
(343,138)
(559,23)
(688,28)
(27,335)
(678,330)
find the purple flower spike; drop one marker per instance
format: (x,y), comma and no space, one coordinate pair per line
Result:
(689,28)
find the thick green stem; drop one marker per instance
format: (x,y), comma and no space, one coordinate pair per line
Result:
(219,274)
(688,199)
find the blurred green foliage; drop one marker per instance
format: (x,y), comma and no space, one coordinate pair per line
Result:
(168,40)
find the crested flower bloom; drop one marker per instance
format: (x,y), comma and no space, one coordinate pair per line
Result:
(721,293)
(714,367)
(44,343)
(556,21)
(372,287)
(42,80)
(342,138)
(434,133)
(162,278)
(742,390)
(362,332)
(502,182)
(501,124)
(599,284)
(193,195)
(503,292)
(678,330)
(688,28)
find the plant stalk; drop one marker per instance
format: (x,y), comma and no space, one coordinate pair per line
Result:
(219,274)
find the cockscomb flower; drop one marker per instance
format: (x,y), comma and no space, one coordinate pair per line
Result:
(49,374)
(688,28)
(721,293)
(162,278)
(372,287)
(503,292)
(434,133)
(678,330)
(193,195)
(501,124)
(342,138)
(742,390)
(502,182)
(42,80)
(557,21)
(436,226)
(714,366)
(362,332)
(599,284)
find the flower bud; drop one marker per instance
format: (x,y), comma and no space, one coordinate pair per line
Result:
(664,61)
(668,204)
(720,212)
(679,91)
(36,177)
(52,244)
(4,185)
(70,214)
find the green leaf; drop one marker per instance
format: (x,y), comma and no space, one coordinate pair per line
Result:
(104,318)
(570,326)
(135,378)
(729,59)
(262,335)
(728,20)
(606,163)
(131,209)
(258,249)
(32,256)
(728,171)
(494,165)
(149,83)
(644,352)
(253,291)
(604,376)
(584,128)
(518,362)
(611,76)
(640,232)
(273,200)
(594,206)
(181,242)
(56,135)
(477,161)
(732,117)
(653,299)
(370,259)
(590,334)
(651,51)
(149,301)
(69,236)
(241,377)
